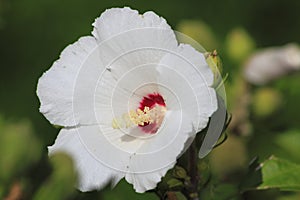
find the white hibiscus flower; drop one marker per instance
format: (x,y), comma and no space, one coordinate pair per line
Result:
(129,98)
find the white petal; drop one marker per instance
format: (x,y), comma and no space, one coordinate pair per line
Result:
(159,153)
(116,21)
(143,160)
(133,39)
(187,74)
(55,87)
(67,90)
(146,181)
(109,146)
(92,173)
(190,63)
(114,98)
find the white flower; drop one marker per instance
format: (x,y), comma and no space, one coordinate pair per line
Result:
(272,63)
(128,98)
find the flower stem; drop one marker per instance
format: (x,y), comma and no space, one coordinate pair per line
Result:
(193,172)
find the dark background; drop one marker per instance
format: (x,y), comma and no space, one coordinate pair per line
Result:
(34,32)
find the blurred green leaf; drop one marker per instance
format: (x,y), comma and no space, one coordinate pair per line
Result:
(199,31)
(1,192)
(62,181)
(295,196)
(220,192)
(229,157)
(19,149)
(266,101)
(289,142)
(124,191)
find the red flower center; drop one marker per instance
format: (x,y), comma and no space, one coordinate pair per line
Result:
(152,101)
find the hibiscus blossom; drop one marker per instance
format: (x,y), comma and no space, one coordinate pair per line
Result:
(129,98)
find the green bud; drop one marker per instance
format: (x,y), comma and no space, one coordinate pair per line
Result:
(179,172)
(214,62)
(173,183)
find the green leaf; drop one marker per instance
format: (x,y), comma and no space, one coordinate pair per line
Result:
(281,174)
(273,173)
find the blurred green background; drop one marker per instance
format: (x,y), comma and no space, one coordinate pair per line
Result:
(34,32)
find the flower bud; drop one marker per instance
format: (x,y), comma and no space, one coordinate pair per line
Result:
(214,62)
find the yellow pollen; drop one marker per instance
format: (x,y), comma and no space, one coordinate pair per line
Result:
(140,117)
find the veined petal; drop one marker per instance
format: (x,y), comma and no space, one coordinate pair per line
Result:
(132,39)
(147,181)
(55,88)
(186,72)
(159,153)
(99,159)
(116,21)
(115,98)
(109,146)
(92,173)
